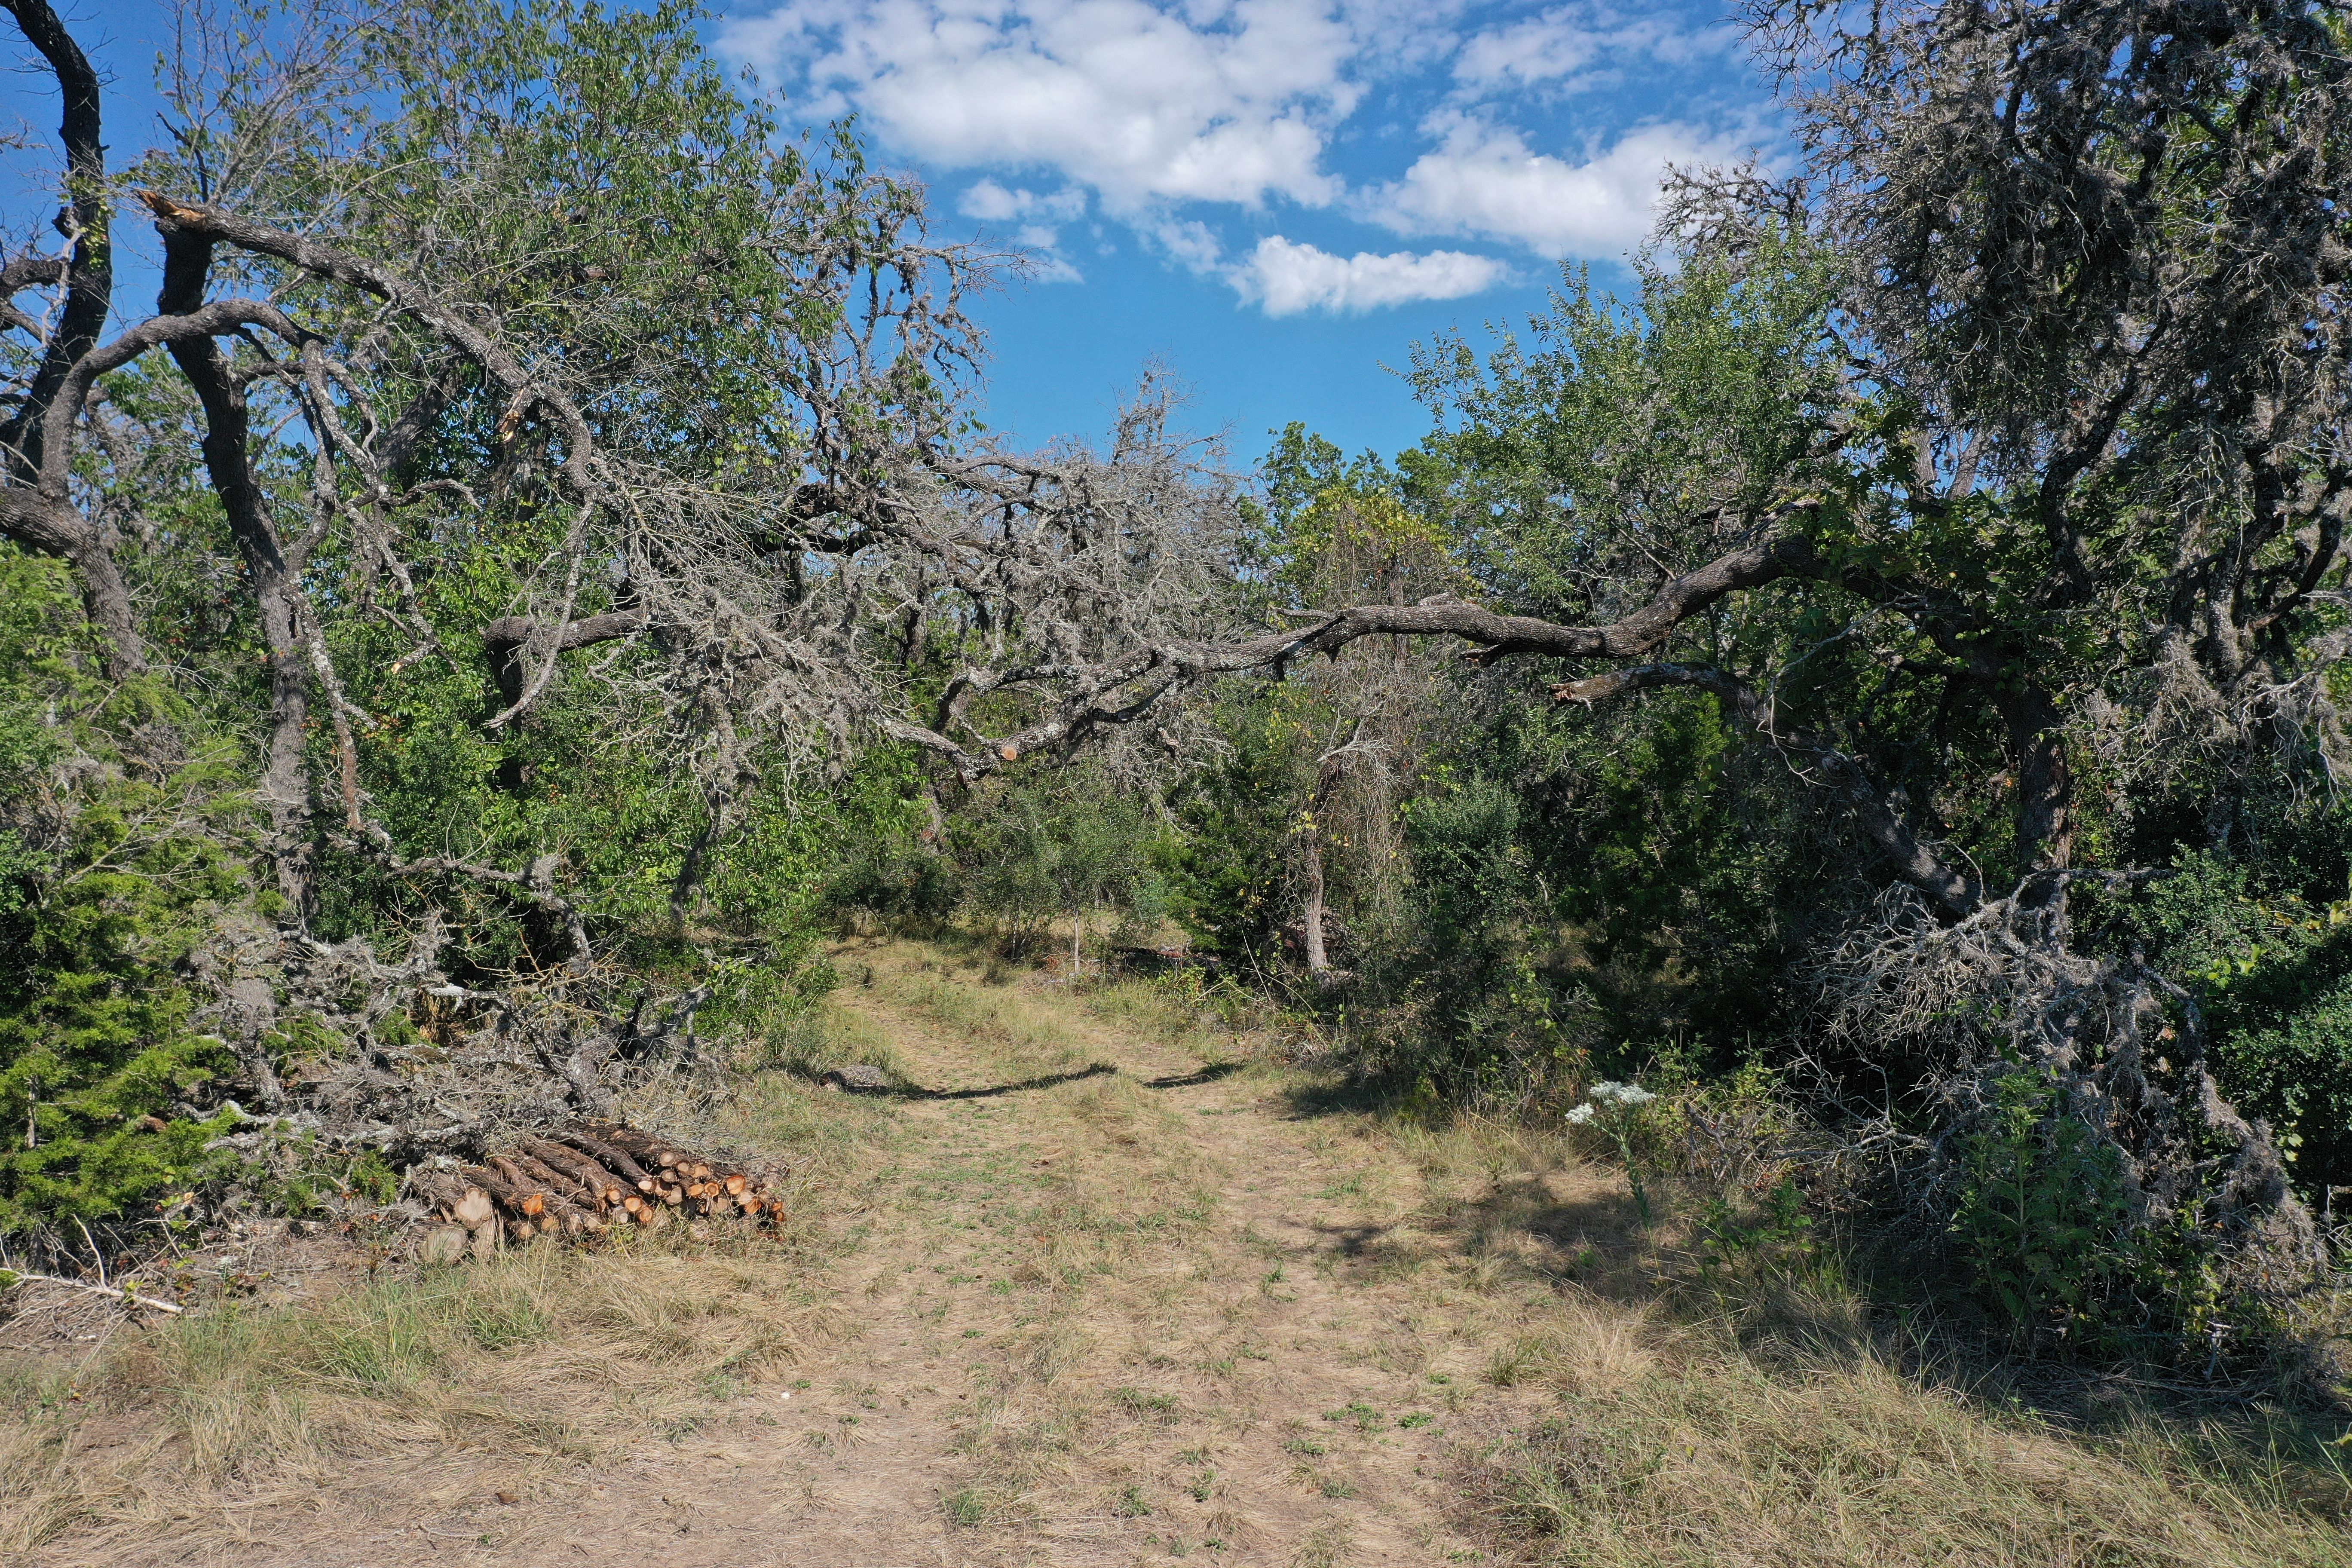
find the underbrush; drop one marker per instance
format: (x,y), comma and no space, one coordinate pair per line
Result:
(1731,1380)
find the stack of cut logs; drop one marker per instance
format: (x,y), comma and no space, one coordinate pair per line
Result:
(580,1181)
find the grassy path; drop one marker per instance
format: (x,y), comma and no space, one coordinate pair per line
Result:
(1096,1295)
(1131,1314)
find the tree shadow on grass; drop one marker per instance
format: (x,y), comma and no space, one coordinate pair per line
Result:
(1594,1238)
(1355,1242)
(1824,1306)
(1833,1303)
(1339,1095)
(1208,1074)
(1022,1086)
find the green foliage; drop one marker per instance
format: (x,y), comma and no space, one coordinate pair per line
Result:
(2272,971)
(322,1185)
(1059,845)
(1620,422)
(1228,870)
(2043,1219)
(116,867)
(1775,1236)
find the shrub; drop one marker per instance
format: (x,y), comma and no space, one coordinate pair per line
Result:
(2042,1218)
(112,869)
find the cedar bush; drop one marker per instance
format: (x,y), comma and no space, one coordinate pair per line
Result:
(113,868)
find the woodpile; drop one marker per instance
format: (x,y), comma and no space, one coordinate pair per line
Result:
(581,1180)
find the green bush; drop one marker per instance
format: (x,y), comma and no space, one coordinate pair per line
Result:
(1067,845)
(2270,961)
(2043,1219)
(112,869)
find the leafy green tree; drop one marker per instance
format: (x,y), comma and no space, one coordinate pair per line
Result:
(1990,479)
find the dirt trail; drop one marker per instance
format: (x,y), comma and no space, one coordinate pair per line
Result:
(1087,1298)
(1113,1316)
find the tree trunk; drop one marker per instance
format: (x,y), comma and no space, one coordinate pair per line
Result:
(48,522)
(84,219)
(276,582)
(2045,786)
(1311,914)
(55,528)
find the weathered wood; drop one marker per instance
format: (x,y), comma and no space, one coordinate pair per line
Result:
(562,1186)
(519,1197)
(439,1188)
(133,1298)
(475,1210)
(562,1183)
(527,1193)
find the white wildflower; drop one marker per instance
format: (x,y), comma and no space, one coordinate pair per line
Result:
(1622,1093)
(1579,1116)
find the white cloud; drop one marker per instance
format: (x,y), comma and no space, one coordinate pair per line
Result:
(1483,180)
(1578,46)
(1188,240)
(1151,112)
(1036,219)
(1221,101)
(993,202)
(1287,277)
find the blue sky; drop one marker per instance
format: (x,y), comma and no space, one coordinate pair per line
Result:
(1271,199)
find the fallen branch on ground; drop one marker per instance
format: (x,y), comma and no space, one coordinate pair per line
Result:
(16,1278)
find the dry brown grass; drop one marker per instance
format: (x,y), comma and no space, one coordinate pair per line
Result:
(1709,1458)
(541,1358)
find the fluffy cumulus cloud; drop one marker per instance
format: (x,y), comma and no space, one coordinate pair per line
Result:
(1184,122)
(1286,278)
(1484,180)
(1220,101)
